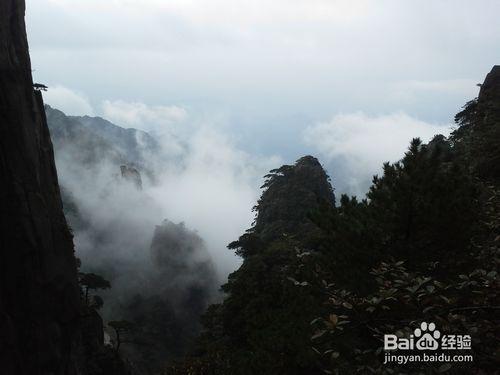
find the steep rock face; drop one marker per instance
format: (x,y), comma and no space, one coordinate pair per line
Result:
(165,312)
(293,191)
(263,322)
(491,85)
(489,97)
(479,131)
(132,175)
(89,140)
(76,144)
(184,263)
(132,142)
(39,295)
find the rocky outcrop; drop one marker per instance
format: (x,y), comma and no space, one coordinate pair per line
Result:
(44,329)
(479,131)
(166,316)
(77,145)
(490,88)
(91,140)
(293,192)
(39,294)
(134,143)
(132,175)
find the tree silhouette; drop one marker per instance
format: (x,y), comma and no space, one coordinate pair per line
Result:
(94,282)
(121,327)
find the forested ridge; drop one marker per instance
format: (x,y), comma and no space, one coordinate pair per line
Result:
(321,283)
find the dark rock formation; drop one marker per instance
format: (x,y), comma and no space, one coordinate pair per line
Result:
(174,248)
(487,148)
(262,325)
(166,317)
(293,191)
(39,295)
(98,359)
(44,329)
(491,86)
(132,175)
(479,133)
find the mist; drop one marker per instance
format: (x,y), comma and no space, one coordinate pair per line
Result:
(200,179)
(153,214)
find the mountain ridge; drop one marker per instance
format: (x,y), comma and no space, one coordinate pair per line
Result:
(96,135)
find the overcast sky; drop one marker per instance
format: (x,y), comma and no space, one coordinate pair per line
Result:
(348,81)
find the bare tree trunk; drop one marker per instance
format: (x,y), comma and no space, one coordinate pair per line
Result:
(118,342)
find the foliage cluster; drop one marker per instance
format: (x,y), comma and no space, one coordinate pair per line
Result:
(321,283)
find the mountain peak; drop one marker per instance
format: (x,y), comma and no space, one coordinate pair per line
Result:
(308,160)
(490,89)
(292,192)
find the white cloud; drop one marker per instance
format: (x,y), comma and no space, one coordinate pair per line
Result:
(167,123)
(142,116)
(415,89)
(201,177)
(443,86)
(359,144)
(232,12)
(69,101)
(266,57)
(213,189)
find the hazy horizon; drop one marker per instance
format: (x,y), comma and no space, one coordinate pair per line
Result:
(275,79)
(231,90)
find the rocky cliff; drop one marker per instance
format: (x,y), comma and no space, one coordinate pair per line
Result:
(263,323)
(479,133)
(39,295)
(491,85)
(292,192)
(131,175)
(91,140)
